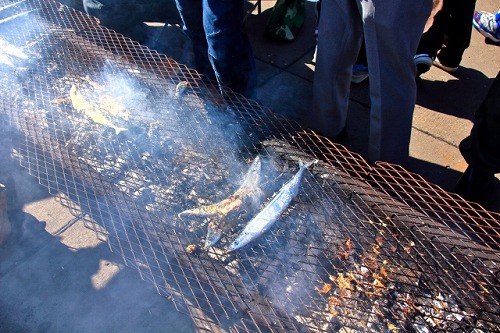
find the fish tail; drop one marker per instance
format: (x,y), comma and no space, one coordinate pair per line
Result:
(205,211)
(214,234)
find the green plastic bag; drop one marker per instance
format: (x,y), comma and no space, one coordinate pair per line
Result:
(286,19)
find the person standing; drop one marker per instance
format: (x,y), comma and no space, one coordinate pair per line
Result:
(391,30)
(481,149)
(447,35)
(216,30)
(220,46)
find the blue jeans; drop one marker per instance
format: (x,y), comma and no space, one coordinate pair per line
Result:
(215,27)
(221,47)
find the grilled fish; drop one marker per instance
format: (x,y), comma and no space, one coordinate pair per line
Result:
(91,110)
(270,214)
(225,213)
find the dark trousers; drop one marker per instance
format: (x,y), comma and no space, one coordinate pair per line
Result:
(216,29)
(481,149)
(127,17)
(449,35)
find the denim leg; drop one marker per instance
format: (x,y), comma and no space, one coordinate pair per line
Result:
(191,13)
(229,50)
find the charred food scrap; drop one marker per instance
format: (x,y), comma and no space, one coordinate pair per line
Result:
(97,103)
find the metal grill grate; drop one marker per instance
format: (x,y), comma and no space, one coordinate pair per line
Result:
(360,248)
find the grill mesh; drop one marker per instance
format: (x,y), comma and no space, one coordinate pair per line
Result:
(360,248)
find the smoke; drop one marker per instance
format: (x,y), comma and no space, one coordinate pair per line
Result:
(77,153)
(19,25)
(135,148)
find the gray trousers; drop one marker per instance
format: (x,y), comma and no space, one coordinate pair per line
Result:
(392,30)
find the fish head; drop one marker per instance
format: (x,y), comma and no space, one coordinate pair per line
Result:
(214,234)
(236,244)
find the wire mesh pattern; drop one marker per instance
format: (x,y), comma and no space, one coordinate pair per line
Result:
(128,139)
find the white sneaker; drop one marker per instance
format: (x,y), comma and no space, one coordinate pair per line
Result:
(448,69)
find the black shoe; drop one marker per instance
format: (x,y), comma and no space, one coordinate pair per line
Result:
(473,184)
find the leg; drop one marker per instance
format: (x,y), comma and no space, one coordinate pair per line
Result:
(229,50)
(481,149)
(362,55)
(458,31)
(391,39)
(191,13)
(360,68)
(431,40)
(339,41)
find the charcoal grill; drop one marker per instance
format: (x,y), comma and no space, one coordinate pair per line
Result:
(361,248)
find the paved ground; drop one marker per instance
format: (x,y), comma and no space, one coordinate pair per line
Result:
(55,276)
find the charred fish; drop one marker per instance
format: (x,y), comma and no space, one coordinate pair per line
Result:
(225,213)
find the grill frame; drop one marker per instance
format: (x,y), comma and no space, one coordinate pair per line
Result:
(385,196)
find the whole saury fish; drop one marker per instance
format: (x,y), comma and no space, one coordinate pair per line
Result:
(224,212)
(270,214)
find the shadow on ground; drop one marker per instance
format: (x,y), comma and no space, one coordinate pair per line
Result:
(468,88)
(50,287)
